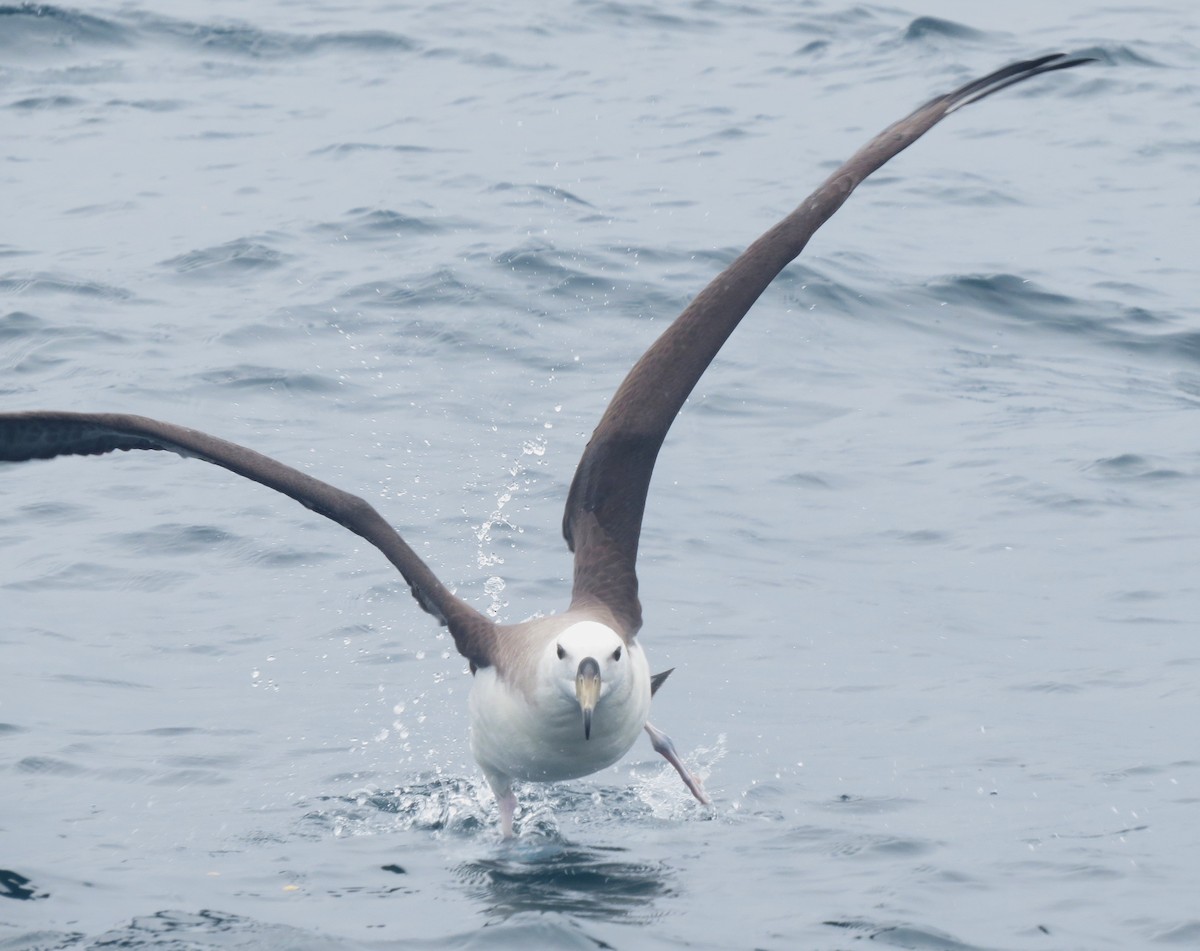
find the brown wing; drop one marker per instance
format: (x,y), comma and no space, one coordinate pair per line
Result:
(603,517)
(43,435)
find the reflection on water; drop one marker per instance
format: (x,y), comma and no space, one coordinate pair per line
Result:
(540,870)
(548,875)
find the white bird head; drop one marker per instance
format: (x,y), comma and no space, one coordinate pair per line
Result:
(588,660)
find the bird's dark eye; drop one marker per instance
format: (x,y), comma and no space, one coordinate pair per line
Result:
(617,654)
(561,653)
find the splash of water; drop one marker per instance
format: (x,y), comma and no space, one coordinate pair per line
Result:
(659,789)
(487,557)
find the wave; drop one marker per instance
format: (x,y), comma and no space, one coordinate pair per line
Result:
(233,258)
(45,30)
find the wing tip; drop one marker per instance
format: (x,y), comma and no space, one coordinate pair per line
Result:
(1011,74)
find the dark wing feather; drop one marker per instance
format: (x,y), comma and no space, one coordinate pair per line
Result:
(603,517)
(43,435)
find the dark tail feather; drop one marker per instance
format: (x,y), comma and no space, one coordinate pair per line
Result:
(658,680)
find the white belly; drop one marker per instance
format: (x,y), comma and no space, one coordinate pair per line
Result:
(540,739)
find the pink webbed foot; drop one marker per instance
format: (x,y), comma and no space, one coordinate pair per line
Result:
(664,747)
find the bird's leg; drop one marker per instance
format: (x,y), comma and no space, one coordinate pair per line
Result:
(508,807)
(507,801)
(502,789)
(662,744)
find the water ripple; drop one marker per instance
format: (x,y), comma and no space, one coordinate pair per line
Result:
(383,223)
(38,28)
(342,149)
(38,103)
(909,937)
(551,191)
(1017,300)
(173,928)
(927,28)
(54,283)
(240,258)
(251,42)
(270,379)
(1130,466)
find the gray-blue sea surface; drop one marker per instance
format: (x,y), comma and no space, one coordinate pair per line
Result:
(922,545)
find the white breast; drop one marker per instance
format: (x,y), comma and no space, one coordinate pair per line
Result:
(539,738)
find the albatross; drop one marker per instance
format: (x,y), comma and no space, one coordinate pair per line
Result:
(564,695)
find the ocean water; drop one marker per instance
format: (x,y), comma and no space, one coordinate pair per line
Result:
(921,546)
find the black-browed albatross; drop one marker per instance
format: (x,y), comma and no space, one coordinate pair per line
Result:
(565,695)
